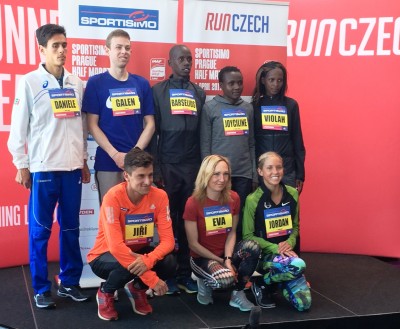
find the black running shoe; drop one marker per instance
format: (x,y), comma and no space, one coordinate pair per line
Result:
(262,296)
(72,291)
(44,300)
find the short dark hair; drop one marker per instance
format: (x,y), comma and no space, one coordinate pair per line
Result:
(136,158)
(174,49)
(46,32)
(116,33)
(226,69)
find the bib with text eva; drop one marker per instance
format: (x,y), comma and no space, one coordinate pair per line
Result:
(124,101)
(182,102)
(139,228)
(278,221)
(235,122)
(274,118)
(64,103)
(218,220)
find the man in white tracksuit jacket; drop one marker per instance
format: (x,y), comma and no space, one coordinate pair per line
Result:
(48,145)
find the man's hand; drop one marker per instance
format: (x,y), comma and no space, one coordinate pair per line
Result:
(85,173)
(119,159)
(160,288)
(138,267)
(23,177)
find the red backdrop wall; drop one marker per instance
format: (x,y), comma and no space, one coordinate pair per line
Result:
(343,63)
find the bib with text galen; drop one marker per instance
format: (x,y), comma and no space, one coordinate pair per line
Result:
(274,118)
(182,102)
(235,122)
(64,103)
(218,220)
(278,221)
(139,228)
(124,101)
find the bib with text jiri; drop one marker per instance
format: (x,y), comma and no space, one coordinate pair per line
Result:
(182,102)
(274,118)
(139,228)
(64,103)
(278,221)
(235,122)
(124,101)
(218,220)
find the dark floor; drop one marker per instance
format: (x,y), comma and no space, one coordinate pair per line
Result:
(348,291)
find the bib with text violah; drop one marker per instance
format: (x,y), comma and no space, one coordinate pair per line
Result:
(274,118)
(235,122)
(124,101)
(64,103)
(218,220)
(278,221)
(182,102)
(139,228)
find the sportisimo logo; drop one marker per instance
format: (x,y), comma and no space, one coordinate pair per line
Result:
(142,19)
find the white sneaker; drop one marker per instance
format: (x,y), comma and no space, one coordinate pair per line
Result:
(204,293)
(239,300)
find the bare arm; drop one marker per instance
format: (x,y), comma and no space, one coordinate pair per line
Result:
(147,133)
(195,246)
(230,244)
(231,238)
(102,140)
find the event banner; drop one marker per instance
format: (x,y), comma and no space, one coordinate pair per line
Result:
(218,35)
(244,34)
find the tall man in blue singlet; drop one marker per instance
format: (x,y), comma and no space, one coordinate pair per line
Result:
(120,112)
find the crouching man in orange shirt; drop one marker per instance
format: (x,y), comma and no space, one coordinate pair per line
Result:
(122,254)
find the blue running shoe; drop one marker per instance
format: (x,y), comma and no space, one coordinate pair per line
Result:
(173,289)
(187,284)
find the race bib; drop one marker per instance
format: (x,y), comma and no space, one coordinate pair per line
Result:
(139,228)
(182,101)
(124,101)
(64,103)
(218,220)
(274,118)
(278,221)
(235,122)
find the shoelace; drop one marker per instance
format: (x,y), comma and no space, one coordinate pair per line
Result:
(108,301)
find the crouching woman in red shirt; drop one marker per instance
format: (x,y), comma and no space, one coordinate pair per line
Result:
(211,217)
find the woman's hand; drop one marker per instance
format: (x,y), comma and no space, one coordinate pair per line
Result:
(228,264)
(285,250)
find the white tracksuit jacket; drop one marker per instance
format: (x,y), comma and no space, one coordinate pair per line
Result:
(39,141)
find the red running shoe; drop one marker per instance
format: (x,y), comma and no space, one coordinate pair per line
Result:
(105,302)
(138,299)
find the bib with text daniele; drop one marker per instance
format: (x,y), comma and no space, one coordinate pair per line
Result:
(235,122)
(278,221)
(218,220)
(182,101)
(274,118)
(139,228)
(124,101)
(64,103)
